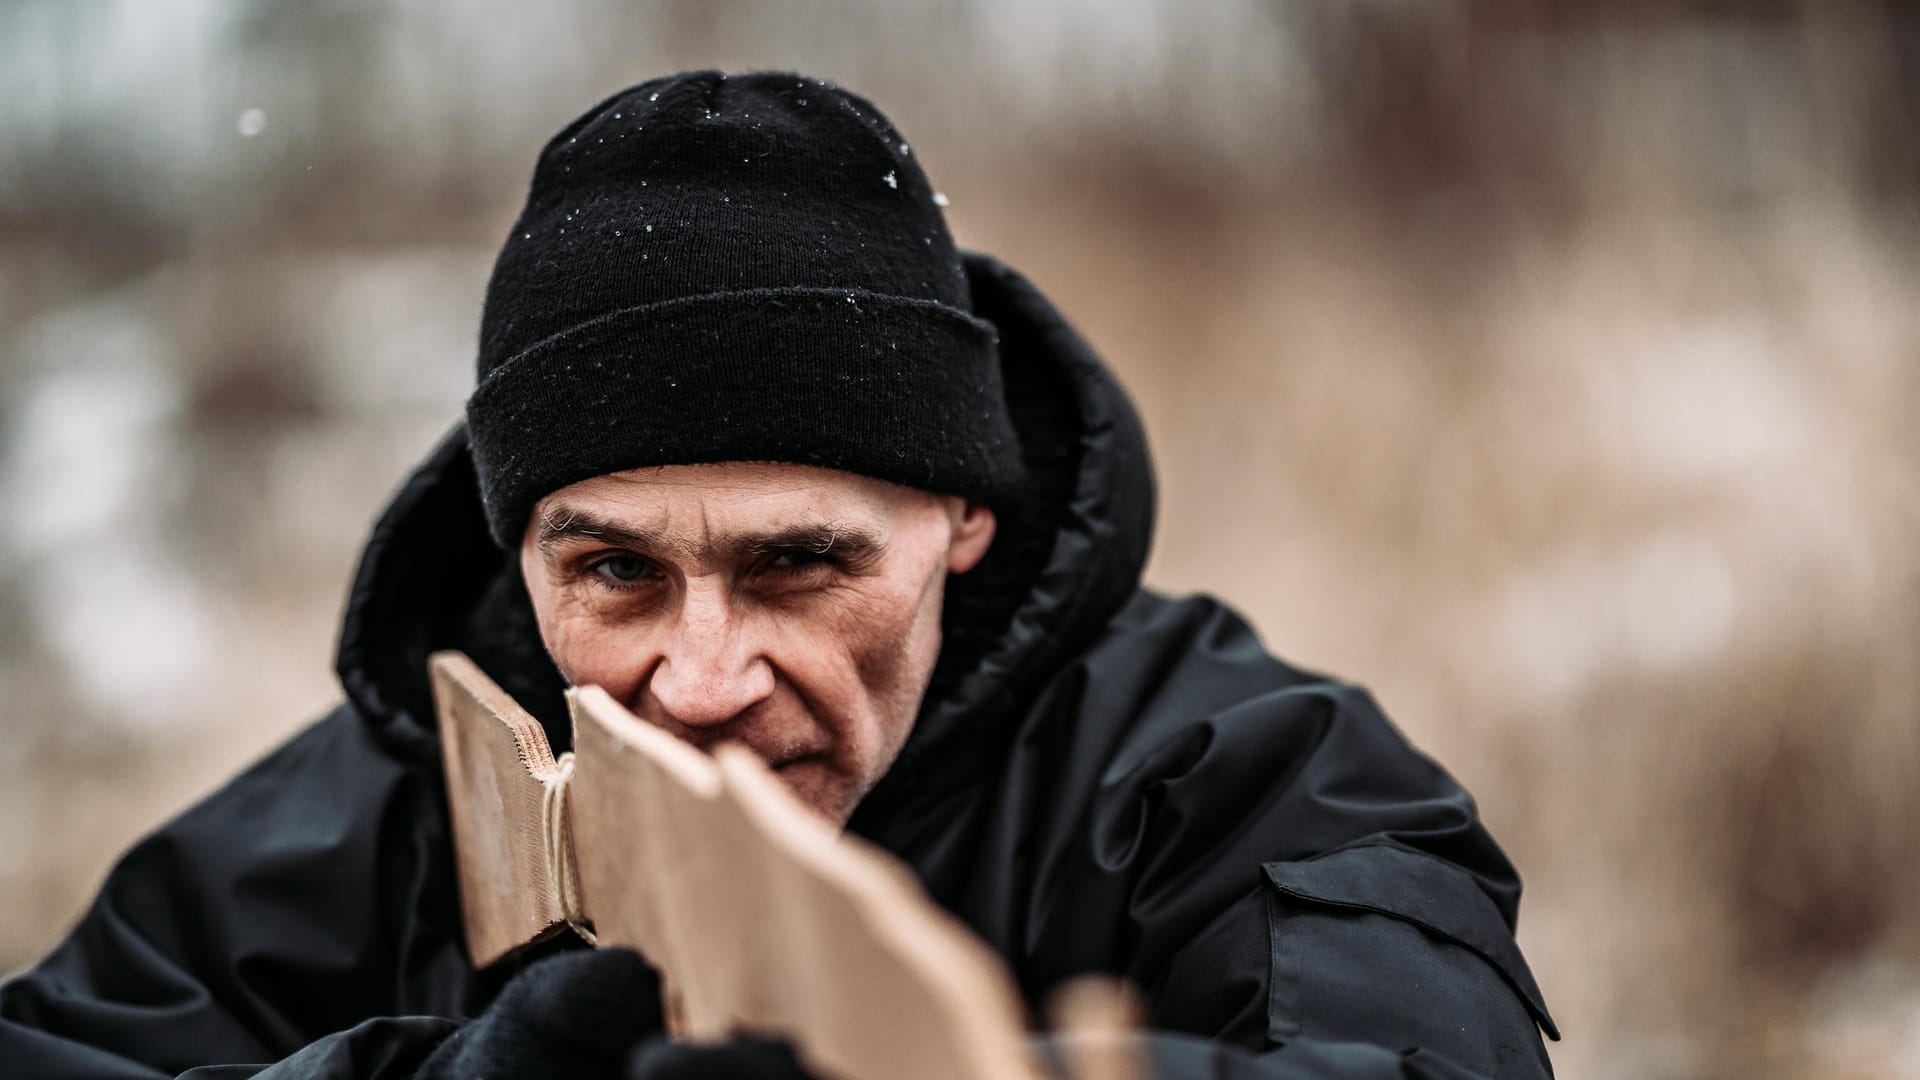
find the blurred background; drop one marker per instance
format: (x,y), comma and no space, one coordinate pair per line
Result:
(1549,367)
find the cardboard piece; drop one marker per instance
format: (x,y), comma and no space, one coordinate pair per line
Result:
(498,768)
(761,915)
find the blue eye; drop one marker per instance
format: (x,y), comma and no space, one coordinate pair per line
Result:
(621,568)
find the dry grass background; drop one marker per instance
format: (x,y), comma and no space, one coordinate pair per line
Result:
(1548,367)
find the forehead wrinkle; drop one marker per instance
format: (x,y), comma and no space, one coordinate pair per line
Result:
(565,522)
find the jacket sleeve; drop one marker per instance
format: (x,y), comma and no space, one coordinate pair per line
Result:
(267,924)
(1297,891)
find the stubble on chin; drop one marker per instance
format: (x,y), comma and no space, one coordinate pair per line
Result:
(829,793)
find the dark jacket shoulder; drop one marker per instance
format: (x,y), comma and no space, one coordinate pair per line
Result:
(1257,847)
(308,893)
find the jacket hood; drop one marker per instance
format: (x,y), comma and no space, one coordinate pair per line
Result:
(1066,557)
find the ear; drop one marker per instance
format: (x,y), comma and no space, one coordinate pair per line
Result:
(973,525)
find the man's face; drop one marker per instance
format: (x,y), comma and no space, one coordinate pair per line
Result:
(793,609)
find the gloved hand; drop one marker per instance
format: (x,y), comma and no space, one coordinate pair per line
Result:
(575,1015)
(740,1059)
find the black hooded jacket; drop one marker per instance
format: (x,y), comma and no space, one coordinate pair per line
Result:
(1102,780)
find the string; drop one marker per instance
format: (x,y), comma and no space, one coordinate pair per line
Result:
(563,869)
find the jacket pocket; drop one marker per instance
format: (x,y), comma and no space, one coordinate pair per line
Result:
(1384,944)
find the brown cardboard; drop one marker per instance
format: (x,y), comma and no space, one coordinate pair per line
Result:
(761,915)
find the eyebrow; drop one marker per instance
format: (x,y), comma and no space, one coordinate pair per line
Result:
(563,524)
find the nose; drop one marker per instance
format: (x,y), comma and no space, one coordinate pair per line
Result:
(709,671)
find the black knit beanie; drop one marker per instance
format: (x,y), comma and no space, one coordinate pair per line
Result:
(733,268)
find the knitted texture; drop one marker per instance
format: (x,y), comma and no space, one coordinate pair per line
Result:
(745,268)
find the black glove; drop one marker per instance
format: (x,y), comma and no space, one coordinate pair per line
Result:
(741,1059)
(575,1015)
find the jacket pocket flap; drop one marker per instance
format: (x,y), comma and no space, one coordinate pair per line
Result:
(1438,898)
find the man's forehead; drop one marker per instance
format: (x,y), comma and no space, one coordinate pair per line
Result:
(709,507)
(764,486)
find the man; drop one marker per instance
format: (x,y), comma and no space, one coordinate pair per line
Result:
(757,450)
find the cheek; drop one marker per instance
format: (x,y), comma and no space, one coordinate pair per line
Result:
(889,638)
(877,632)
(590,652)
